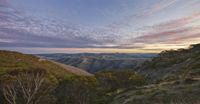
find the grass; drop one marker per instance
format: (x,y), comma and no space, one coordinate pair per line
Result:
(11,61)
(161,94)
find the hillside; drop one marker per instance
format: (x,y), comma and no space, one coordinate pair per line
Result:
(98,62)
(187,92)
(173,65)
(173,78)
(11,61)
(28,79)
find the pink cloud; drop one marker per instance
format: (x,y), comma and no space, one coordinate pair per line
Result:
(163,4)
(184,38)
(165,36)
(178,22)
(171,31)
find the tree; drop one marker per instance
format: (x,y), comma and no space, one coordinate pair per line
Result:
(77,90)
(113,80)
(10,93)
(27,88)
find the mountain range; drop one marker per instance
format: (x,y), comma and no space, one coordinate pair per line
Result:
(170,77)
(93,62)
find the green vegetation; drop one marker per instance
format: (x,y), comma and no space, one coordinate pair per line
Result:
(173,65)
(77,90)
(26,79)
(163,93)
(173,77)
(121,79)
(13,61)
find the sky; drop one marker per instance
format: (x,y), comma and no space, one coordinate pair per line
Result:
(98,26)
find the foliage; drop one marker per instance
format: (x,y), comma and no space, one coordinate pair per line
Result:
(25,79)
(27,88)
(113,80)
(10,61)
(77,90)
(173,65)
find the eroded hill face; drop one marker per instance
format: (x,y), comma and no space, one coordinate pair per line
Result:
(98,62)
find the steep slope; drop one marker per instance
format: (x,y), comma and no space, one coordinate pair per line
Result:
(163,93)
(173,65)
(10,61)
(173,78)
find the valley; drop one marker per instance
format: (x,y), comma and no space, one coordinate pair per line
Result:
(93,63)
(170,77)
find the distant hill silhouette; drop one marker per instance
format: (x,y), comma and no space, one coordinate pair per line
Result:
(98,62)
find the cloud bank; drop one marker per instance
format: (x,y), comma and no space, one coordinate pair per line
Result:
(140,28)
